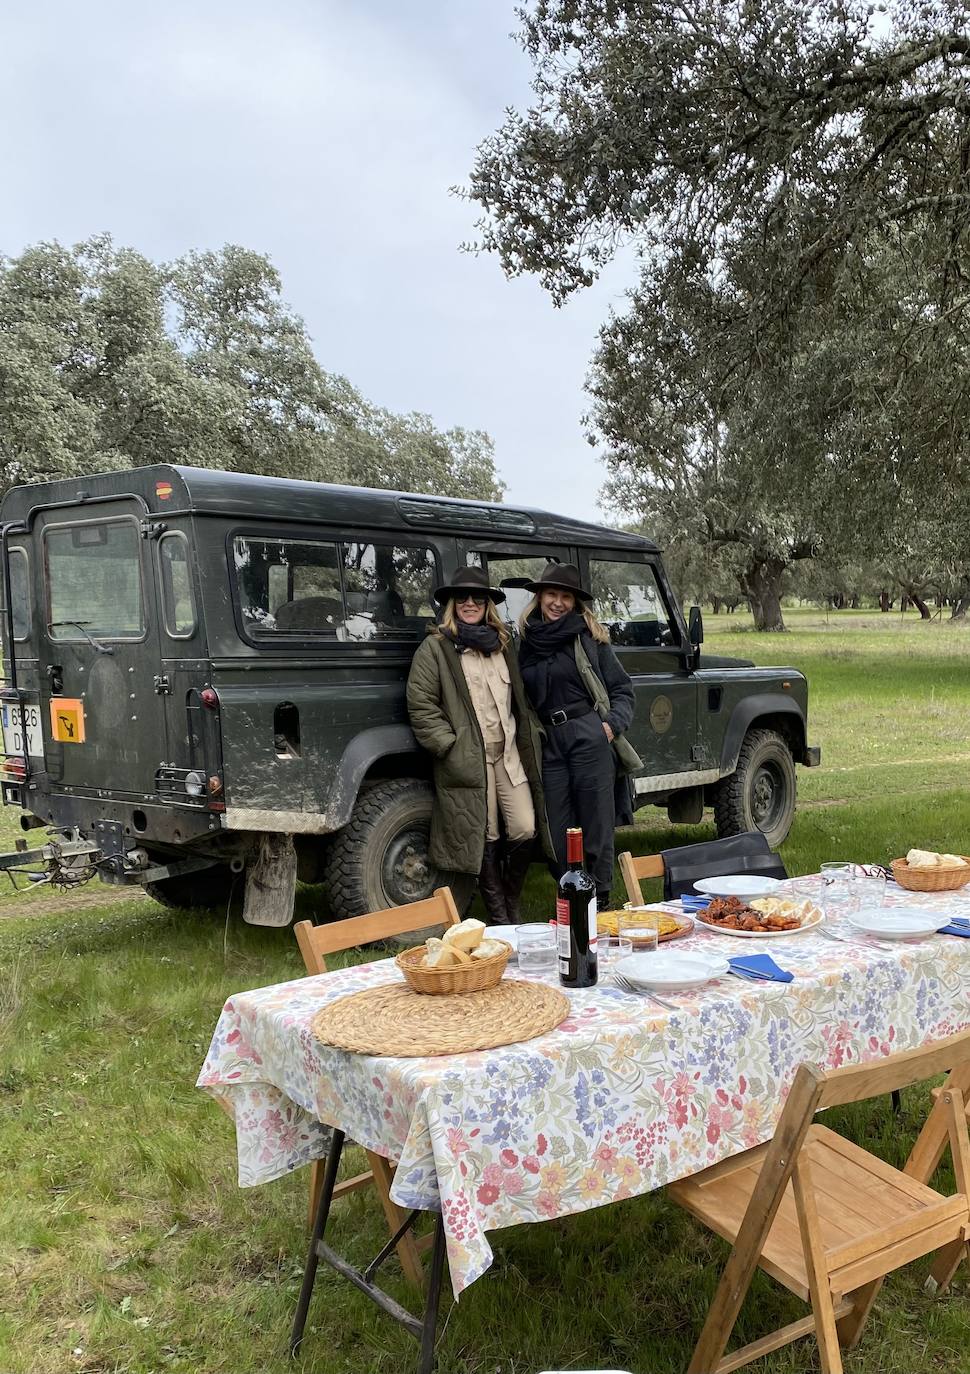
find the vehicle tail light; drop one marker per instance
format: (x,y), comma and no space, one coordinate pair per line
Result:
(15,768)
(210,698)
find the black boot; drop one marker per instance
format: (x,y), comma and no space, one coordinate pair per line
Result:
(490,885)
(518,857)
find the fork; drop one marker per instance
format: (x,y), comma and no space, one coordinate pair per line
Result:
(637,991)
(851,940)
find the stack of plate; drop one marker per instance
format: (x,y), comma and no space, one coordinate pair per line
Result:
(899,922)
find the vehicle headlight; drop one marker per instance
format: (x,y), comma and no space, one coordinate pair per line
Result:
(194,784)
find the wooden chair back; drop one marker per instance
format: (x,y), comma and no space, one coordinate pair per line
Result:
(316,942)
(646,866)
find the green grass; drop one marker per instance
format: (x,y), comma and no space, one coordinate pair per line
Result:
(126,1246)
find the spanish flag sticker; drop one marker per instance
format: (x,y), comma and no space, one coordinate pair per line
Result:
(163,490)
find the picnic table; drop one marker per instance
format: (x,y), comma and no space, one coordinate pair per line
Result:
(622,1098)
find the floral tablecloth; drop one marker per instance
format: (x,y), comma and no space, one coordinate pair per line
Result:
(620,1099)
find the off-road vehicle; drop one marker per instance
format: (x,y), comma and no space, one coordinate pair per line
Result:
(205,680)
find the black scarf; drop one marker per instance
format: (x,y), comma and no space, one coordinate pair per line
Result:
(545,637)
(481,637)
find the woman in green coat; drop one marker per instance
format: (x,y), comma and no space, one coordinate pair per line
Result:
(469,710)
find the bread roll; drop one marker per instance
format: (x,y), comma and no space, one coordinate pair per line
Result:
(954,860)
(922,858)
(438,954)
(466,935)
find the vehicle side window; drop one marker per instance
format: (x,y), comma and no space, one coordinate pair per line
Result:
(387,591)
(20,593)
(354,593)
(178,608)
(510,575)
(94,580)
(627,600)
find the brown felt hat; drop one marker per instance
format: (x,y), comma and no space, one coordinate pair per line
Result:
(565,576)
(468,580)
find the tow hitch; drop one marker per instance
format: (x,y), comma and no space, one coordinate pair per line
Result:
(67,861)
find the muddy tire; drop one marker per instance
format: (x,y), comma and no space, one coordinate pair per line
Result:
(760,793)
(380,858)
(211,889)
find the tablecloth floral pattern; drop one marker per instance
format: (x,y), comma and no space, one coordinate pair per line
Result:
(620,1099)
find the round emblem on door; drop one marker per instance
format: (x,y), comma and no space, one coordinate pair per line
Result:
(661,714)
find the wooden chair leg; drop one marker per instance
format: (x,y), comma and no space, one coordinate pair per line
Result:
(826,1330)
(407,1251)
(316,1188)
(945,1265)
(851,1326)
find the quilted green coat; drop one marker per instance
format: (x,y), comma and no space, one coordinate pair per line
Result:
(444,722)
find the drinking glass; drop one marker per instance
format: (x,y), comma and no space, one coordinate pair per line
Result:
(610,949)
(869,889)
(640,926)
(537,947)
(838,893)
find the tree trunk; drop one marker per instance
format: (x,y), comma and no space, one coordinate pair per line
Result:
(961,607)
(885,601)
(921,606)
(715,605)
(761,583)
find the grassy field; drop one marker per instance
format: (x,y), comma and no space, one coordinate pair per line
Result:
(126,1246)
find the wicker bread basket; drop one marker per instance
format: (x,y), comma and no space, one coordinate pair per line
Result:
(472,977)
(940,878)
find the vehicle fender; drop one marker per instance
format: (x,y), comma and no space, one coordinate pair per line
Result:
(747,713)
(358,758)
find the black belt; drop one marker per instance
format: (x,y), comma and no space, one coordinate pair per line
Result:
(567,713)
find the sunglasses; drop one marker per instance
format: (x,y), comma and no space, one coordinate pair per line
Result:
(471,596)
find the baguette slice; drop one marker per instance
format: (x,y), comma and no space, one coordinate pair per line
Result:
(438,954)
(466,935)
(488,948)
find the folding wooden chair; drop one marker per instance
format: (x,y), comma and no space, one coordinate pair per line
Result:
(828,1219)
(632,870)
(315,943)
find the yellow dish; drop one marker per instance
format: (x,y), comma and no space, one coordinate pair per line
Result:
(608,922)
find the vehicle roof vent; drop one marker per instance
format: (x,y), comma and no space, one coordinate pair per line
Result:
(464,515)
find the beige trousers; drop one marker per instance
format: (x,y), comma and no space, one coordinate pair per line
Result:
(512,800)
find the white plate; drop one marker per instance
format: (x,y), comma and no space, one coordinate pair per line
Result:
(899,922)
(667,968)
(743,885)
(808,924)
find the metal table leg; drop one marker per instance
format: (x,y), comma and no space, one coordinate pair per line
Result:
(422,1330)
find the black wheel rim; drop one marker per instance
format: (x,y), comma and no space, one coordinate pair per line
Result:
(769,795)
(407,874)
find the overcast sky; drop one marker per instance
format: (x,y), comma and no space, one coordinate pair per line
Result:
(327,135)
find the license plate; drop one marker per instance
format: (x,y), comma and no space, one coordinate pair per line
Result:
(21,725)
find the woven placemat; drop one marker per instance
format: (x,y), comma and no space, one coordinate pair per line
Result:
(395,1020)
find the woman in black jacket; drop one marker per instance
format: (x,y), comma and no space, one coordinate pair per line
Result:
(578,767)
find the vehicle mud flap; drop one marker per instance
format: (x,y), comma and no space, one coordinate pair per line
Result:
(271,882)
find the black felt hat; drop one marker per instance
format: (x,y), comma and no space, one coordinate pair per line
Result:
(564,576)
(468,580)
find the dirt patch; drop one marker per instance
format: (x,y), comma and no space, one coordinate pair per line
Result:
(51,902)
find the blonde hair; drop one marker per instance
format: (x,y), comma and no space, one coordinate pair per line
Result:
(449,621)
(598,630)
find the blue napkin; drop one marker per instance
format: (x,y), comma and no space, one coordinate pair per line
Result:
(690,902)
(763,965)
(955,930)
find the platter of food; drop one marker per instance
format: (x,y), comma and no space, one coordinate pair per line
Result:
(669,926)
(762,919)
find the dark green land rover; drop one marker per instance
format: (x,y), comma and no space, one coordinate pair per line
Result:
(205,681)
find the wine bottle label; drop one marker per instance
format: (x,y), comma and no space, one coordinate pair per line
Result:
(562,928)
(592,925)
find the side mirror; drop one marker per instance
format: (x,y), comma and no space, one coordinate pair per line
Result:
(695,627)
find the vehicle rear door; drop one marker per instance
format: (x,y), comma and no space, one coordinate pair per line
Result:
(101,702)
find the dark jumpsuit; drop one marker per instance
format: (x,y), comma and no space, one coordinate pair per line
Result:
(578,769)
